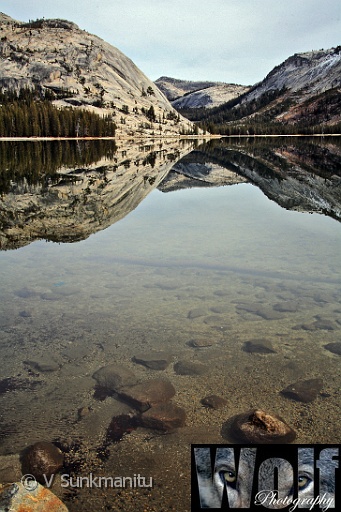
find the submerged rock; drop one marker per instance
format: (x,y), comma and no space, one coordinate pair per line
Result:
(146,394)
(258,426)
(304,390)
(114,376)
(196,313)
(32,498)
(189,368)
(42,365)
(213,401)
(259,346)
(120,425)
(42,459)
(165,417)
(154,360)
(200,343)
(334,347)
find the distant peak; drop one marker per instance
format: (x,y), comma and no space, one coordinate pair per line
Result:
(4,18)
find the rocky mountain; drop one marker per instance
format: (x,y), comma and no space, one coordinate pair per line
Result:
(80,70)
(184,94)
(306,88)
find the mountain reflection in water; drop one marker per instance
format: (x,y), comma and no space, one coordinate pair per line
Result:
(65,191)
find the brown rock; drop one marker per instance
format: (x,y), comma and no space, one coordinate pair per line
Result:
(154,360)
(259,346)
(114,376)
(258,426)
(42,459)
(189,368)
(164,417)
(148,393)
(304,390)
(213,401)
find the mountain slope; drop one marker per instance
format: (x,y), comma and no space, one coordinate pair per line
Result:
(81,70)
(305,88)
(185,94)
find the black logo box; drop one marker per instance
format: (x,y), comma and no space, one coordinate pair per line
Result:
(321,471)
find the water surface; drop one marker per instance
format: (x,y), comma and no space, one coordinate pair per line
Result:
(200,252)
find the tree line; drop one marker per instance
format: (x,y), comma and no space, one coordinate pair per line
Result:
(27,114)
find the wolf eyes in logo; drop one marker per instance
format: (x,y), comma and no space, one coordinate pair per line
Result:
(278,485)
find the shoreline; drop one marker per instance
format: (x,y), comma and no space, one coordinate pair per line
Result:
(180,137)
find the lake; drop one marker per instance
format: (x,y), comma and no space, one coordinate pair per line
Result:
(225,254)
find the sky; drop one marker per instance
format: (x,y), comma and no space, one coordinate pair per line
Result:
(233,41)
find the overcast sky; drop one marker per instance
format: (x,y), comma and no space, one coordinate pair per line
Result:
(237,41)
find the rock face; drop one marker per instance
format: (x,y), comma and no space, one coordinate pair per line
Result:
(297,88)
(187,94)
(80,69)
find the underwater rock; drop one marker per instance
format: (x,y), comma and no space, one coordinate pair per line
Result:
(334,347)
(269,314)
(83,411)
(200,343)
(196,313)
(289,306)
(259,346)
(189,368)
(165,417)
(42,365)
(34,498)
(258,426)
(114,376)
(146,394)
(25,314)
(42,459)
(154,360)
(15,383)
(10,468)
(304,390)
(324,325)
(120,425)
(213,401)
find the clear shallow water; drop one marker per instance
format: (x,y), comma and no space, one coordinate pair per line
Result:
(228,253)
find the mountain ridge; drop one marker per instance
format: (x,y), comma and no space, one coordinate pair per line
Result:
(303,89)
(82,70)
